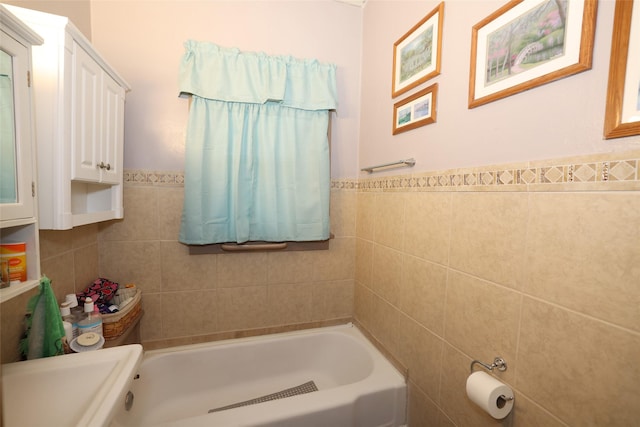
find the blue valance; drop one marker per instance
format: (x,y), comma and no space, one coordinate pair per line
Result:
(227,74)
(257,153)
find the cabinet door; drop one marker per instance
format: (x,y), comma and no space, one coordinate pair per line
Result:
(16,156)
(85,112)
(112,139)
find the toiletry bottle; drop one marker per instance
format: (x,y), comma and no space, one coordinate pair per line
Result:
(92,320)
(72,299)
(67,316)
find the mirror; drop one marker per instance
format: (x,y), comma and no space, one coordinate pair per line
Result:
(8,169)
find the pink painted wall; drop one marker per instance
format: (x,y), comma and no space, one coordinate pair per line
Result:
(144,40)
(562,118)
(78,11)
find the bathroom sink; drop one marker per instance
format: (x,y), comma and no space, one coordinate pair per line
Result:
(80,389)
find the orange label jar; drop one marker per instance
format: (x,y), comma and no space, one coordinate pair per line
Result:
(13,259)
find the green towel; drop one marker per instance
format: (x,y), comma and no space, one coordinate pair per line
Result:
(45,330)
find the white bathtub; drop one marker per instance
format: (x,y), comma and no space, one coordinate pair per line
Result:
(356,385)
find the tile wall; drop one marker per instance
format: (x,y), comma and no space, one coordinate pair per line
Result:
(70,259)
(538,263)
(203,297)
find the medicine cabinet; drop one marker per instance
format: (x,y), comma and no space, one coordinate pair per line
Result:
(79,106)
(18,203)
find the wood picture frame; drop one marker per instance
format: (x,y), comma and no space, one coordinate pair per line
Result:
(528,43)
(622,111)
(416,110)
(417,54)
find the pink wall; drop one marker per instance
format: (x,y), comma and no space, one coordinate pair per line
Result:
(144,40)
(562,118)
(78,11)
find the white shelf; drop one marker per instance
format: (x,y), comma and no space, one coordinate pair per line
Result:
(18,221)
(13,291)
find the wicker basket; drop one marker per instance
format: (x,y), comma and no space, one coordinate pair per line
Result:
(116,324)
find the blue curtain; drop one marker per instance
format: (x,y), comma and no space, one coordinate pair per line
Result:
(257,152)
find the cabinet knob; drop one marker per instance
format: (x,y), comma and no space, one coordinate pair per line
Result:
(108,166)
(103,166)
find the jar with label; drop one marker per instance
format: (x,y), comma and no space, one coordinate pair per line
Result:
(13,258)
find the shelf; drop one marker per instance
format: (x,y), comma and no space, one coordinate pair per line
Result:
(18,220)
(7,223)
(13,291)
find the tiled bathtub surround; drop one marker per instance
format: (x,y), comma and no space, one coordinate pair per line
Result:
(542,268)
(189,298)
(541,271)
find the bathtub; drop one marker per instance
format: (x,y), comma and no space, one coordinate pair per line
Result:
(356,385)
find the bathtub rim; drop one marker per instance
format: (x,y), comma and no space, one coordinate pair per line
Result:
(385,377)
(348,328)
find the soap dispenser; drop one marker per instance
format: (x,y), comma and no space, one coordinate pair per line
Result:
(92,320)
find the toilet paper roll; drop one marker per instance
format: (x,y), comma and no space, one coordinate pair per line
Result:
(489,394)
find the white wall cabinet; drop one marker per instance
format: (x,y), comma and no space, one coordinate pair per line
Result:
(99,127)
(18,203)
(79,104)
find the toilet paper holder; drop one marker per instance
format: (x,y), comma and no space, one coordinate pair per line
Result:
(498,362)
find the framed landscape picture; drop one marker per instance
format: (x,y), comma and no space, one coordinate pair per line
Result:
(416,55)
(416,110)
(528,43)
(622,114)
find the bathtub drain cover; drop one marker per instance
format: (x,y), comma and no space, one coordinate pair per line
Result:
(307,387)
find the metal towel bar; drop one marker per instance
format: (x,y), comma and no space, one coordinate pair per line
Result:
(407,162)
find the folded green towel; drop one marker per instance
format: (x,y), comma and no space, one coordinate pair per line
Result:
(45,330)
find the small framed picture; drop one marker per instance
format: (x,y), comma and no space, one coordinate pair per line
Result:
(622,114)
(528,43)
(416,55)
(416,110)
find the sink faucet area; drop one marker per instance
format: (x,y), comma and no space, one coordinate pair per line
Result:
(80,389)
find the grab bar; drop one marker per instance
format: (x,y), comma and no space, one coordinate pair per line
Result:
(407,162)
(243,247)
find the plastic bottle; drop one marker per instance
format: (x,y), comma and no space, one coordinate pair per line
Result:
(76,310)
(67,316)
(92,320)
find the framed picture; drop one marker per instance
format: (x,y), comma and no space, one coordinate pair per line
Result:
(622,114)
(528,43)
(416,55)
(416,110)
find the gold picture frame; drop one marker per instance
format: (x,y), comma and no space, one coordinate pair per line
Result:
(622,111)
(416,110)
(417,54)
(528,43)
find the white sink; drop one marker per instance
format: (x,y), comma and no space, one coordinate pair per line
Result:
(81,389)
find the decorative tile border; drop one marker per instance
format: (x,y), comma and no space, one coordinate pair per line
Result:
(588,173)
(172,179)
(158,178)
(599,172)
(344,184)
